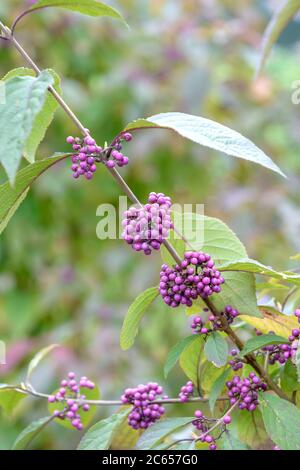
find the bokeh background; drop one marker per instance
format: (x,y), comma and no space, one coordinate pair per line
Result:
(58,282)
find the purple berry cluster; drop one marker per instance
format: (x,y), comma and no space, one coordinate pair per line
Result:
(195,276)
(88,153)
(144,412)
(278,353)
(198,323)
(186,391)
(204,424)
(146,227)
(245,391)
(70,395)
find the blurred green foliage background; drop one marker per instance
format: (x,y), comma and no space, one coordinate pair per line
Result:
(58,282)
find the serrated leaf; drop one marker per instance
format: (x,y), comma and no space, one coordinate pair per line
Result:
(285,12)
(216,349)
(190,359)
(85,416)
(24,99)
(44,117)
(38,358)
(99,436)
(217,239)
(255,267)
(176,351)
(85,7)
(208,133)
(11,198)
(282,421)
(258,342)
(217,388)
(273,320)
(27,435)
(251,429)
(154,435)
(134,316)
(230,442)
(9,399)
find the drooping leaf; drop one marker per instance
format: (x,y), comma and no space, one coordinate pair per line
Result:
(273,320)
(24,99)
(255,267)
(11,198)
(208,133)
(217,388)
(190,359)
(9,399)
(209,373)
(282,421)
(27,435)
(85,416)
(44,117)
(176,351)
(282,16)
(38,358)
(258,342)
(85,7)
(134,316)
(216,349)
(251,429)
(99,436)
(230,442)
(154,435)
(288,378)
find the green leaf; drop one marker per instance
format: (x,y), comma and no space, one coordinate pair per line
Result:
(124,436)
(86,7)
(272,320)
(251,429)
(258,342)
(44,117)
(176,351)
(282,421)
(282,16)
(208,133)
(190,358)
(208,375)
(27,435)
(154,435)
(85,416)
(24,99)
(99,436)
(253,266)
(288,378)
(134,316)
(9,399)
(224,246)
(216,349)
(230,442)
(11,198)
(38,358)
(217,388)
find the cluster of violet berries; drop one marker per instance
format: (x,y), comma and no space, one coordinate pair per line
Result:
(235,363)
(146,227)
(204,424)
(70,395)
(144,412)
(195,276)
(88,153)
(186,391)
(245,391)
(198,323)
